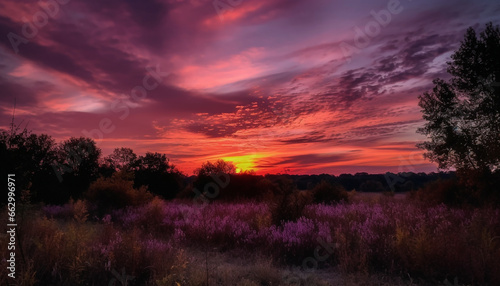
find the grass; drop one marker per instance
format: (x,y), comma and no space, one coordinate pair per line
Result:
(374,240)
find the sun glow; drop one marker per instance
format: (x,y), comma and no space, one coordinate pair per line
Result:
(242,163)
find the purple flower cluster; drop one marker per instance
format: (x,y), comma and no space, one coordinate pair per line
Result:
(390,235)
(249,224)
(54,211)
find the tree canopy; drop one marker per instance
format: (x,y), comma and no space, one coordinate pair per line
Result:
(220,166)
(463,113)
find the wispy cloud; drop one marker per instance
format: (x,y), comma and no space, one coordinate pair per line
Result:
(269,85)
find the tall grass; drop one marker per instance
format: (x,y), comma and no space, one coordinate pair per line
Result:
(70,245)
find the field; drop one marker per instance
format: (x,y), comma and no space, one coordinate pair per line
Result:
(373,240)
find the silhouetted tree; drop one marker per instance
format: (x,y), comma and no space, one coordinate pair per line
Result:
(106,168)
(154,171)
(77,165)
(463,114)
(29,156)
(211,173)
(242,186)
(122,158)
(325,192)
(288,203)
(220,166)
(371,186)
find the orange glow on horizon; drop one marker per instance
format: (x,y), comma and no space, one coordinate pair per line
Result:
(242,163)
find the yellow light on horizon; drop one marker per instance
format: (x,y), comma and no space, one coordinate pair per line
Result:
(242,163)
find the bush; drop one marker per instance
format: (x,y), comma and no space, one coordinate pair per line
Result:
(327,193)
(244,187)
(371,186)
(449,192)
(288,203)
(116,192)
(76,210)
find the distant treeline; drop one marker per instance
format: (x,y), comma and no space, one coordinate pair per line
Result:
(55,172)
(361,182)
(364,182)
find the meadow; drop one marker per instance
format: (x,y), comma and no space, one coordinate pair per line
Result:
(373,239)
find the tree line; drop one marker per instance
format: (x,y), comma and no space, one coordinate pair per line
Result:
(55,172)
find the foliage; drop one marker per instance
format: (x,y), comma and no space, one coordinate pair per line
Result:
(220,166)
(441,191)
(122,159)
(155,171)
(371,186)
(456,192)
(30,157)
(78,164)
(327,193)
(431,242)
(462,114)
(288,203)
(116,192)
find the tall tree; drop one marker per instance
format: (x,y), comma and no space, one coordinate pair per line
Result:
(463,114)
(77,165)
(122,158)
(30,157)
(220,166)
(160,176)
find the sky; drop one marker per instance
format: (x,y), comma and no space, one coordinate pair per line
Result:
(277,86)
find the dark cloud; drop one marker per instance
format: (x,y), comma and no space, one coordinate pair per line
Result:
(350,87)
(381,129)
(310,137)
(314,159)
(23,95)
(173,100)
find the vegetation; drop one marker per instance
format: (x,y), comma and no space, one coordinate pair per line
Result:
(162,243)
(116,192)
(462,114)
(87,220)
(327,193)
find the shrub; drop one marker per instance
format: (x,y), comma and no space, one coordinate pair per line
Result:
(116,192)
(371,186)
(77,210)
(449,192)
(243,187)
(288,203)
(388,193)
(80,211)
(327,193)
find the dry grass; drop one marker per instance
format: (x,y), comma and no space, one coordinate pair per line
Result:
(379,240)
(374,197)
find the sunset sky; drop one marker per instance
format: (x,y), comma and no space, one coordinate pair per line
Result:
(267,84)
